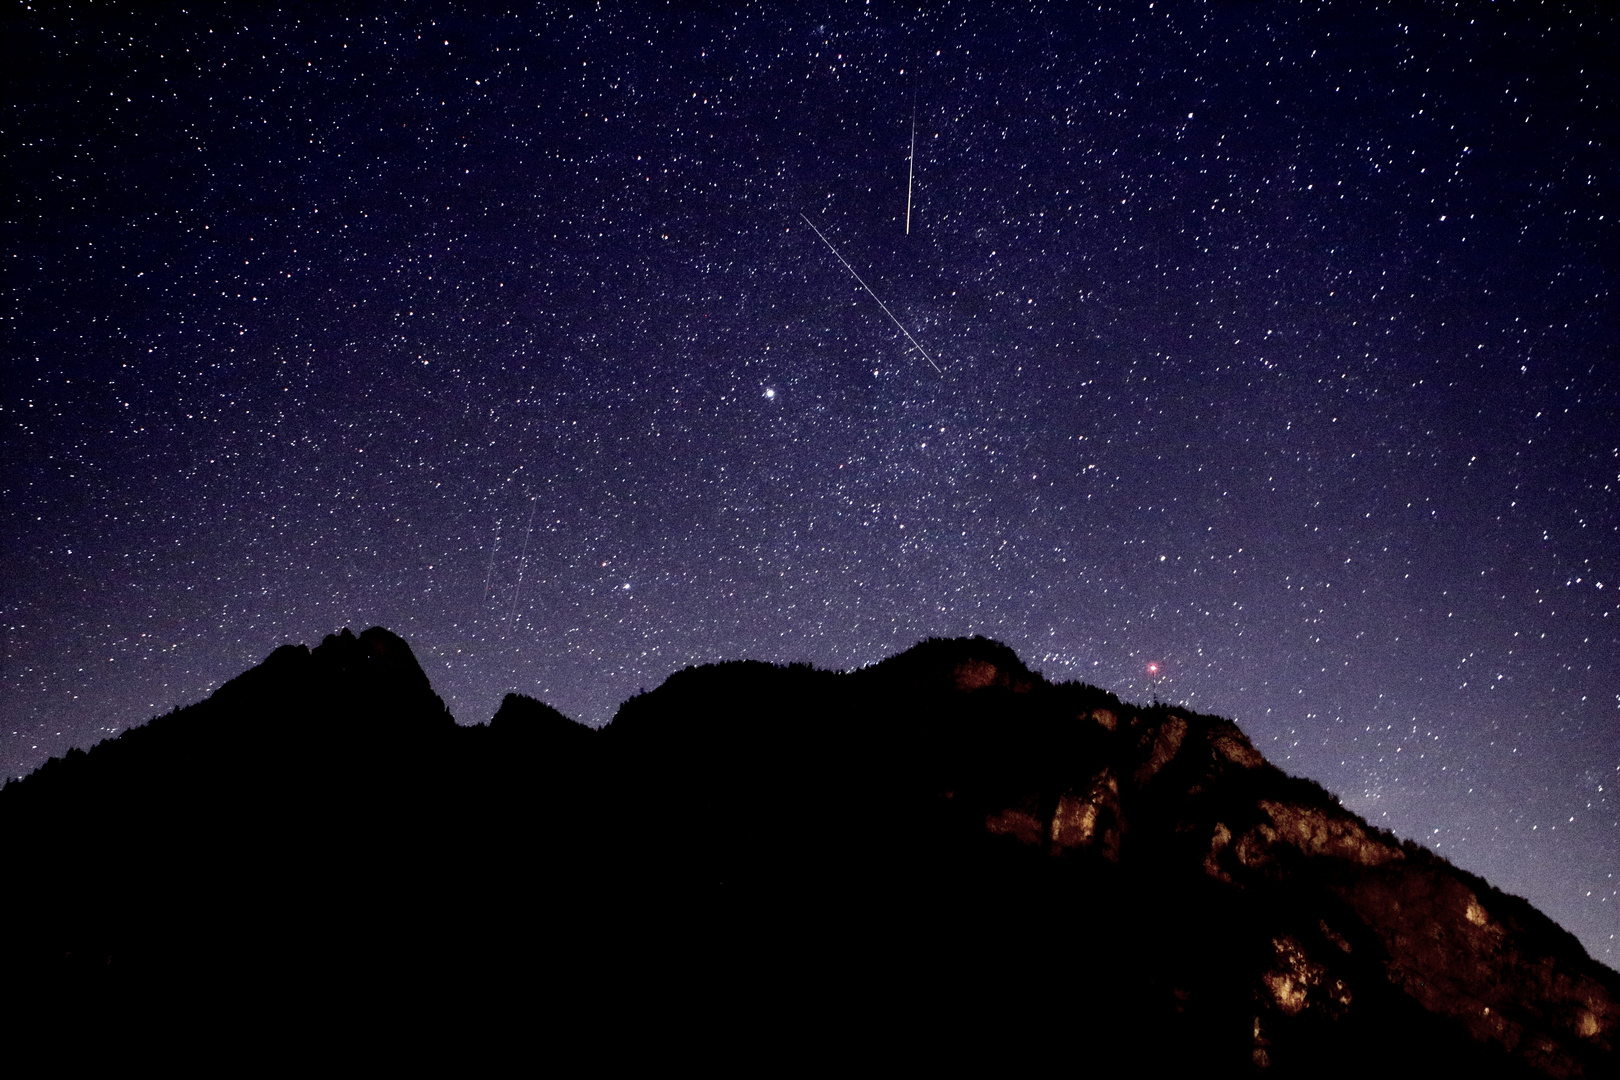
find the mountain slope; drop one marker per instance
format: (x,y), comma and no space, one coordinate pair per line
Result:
(942,852)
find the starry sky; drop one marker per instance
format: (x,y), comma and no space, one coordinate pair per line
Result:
(1275,345)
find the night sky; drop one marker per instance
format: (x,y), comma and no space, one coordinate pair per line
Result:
(1276,346)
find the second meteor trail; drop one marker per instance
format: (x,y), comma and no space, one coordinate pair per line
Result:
(873,295)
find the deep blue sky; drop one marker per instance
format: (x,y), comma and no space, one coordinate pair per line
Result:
(1278,346)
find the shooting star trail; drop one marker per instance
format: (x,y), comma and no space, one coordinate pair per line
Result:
(874,296)
(911,166)
(523,564)
(489,573)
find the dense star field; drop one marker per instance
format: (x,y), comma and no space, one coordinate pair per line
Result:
(1275,347)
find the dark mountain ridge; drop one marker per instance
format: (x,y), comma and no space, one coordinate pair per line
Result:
(941,853)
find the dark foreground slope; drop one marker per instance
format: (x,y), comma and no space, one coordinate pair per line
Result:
(941,856)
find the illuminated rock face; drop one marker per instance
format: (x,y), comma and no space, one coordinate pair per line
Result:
(928,836)
(1320,832)
(1349,923)
(1297,980)
(1090,819)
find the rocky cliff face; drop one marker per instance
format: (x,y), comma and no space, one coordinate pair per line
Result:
(1166,788)
(942,852)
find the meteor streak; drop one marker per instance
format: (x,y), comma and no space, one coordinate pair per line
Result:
(874,296)
(523,564)
(911,167)
(489,574)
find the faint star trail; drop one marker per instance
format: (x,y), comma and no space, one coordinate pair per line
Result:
(523,564)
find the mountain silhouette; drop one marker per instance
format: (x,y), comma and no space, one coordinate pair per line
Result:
(939,859)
